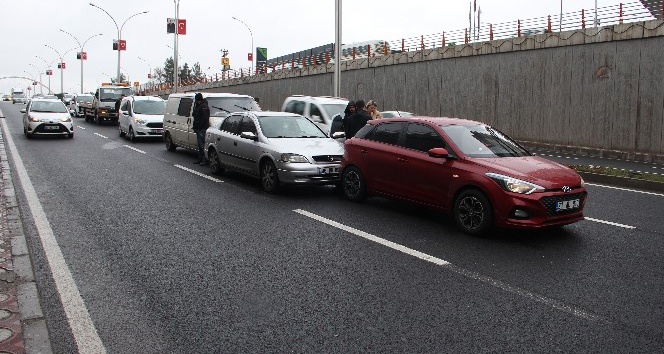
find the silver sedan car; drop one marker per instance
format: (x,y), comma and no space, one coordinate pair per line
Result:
(276,147)
(44,116)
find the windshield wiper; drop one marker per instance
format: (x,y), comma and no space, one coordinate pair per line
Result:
(246,109)
(221,109)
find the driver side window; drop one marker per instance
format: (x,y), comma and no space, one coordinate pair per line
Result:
(123,106)
(316,114)
(232,125)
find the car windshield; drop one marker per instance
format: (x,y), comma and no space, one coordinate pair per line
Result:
(289,127)
(222,106)
(18,95)
(480,140)
(84,98)
(113,94)
(48,107)
(150,107)
(334,109)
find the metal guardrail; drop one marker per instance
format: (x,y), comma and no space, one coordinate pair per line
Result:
(627,12)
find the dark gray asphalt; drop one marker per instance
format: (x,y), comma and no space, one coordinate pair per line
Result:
(170,262)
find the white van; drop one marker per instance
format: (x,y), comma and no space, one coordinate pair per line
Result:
(178,122)
(320,110)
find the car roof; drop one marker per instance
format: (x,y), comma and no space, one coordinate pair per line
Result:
(320,99)
(145,98)
(442,121)
(42,99)
(208,94)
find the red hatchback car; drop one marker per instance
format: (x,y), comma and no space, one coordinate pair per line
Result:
(466,168)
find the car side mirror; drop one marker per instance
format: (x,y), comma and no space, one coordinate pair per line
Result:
(249,135)
(338,135)
(439,153)
(23,110)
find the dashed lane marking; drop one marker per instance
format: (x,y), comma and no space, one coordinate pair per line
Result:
(199,174)
(625,189)
(99,135)
(461,271)
(135,149)
(82,328)
(611,223)
(80,127)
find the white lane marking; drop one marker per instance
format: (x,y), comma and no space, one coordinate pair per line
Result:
(80,127)
(198,174)
(461,271)
(625,189)
(83,329)
(97,134)
(135,149)
(610,223)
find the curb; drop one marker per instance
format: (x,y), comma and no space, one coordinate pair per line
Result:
(22,324)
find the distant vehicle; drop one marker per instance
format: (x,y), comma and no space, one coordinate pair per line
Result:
(142,117)
(18,97)
(466,168)
(275,147)
(82,102)
(47,117)
(393,114)
(178,121)
(102,109)
(6,97)
(321,110)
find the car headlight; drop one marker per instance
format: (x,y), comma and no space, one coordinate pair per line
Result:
(295,158)
(33,119)
(583,183)
(103,111)
(514,185)
(139,121)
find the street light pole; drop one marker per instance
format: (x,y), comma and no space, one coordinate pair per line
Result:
(337,49)
(41,87)
(82,46)
(119,28)
(149,66)
(252,42)
(62,89)
(176,85)
(48,66)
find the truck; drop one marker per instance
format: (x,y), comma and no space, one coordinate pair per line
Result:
(102,109)
(18,96)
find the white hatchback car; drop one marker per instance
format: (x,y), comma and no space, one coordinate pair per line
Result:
(47,117)
(142,117)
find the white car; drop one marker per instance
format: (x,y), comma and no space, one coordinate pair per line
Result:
(321,110)
(47,117)
(141,117)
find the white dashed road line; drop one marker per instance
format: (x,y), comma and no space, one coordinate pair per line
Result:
(135,149)
(199,174)
(80,127)
(611,223)
(461,271)
(625,189)
(83,329)
(99,135)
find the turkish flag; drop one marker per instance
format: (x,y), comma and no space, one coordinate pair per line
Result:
(63,66)
(84,56)
(182,26)
(122,44)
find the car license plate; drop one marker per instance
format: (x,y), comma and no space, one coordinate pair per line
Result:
(568,205)
(157,131)
(327,170)
(51,127)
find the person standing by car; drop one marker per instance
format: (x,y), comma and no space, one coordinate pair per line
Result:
(201,114)
(339,120)
(372,109)
(357,120)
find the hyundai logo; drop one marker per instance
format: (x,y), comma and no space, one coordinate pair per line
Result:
(566,189)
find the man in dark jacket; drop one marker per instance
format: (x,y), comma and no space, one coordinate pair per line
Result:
(201,114)
(357,120)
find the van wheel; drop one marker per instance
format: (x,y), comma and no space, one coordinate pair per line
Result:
(215,164)
(269,177)
(473,213)
(170,146)
(354,185)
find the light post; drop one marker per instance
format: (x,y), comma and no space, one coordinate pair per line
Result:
(81,52)
(119,28)
(62,89)
(32,78)
(48,67)
(149,66)
(252,42)
(337,49)
(41,87)
(176,4)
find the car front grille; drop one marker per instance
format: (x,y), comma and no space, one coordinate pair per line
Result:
(327,158)
(155,125)
(551,201)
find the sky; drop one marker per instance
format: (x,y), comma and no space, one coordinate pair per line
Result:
(283,27)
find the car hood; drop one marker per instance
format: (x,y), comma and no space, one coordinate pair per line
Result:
(534,169)
(48,117)
(307,146)
(150,118)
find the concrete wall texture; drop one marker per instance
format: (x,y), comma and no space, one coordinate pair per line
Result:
(600,89)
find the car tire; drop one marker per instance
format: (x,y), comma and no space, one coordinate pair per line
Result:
(131,135)
(28,135)
(170,145)
(353,184)
(269,177)
(473,213)
(96,118)
(215,164)
(70,136)
(122,133)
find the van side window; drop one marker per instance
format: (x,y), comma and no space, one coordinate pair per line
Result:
(296,107)
(315,111)
(232,125)
(184,109)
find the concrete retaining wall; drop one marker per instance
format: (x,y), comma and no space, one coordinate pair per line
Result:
(594,89)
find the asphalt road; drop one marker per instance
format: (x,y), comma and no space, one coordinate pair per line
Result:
(169,261)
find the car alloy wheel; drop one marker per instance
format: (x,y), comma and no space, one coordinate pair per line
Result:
(269,178)
(170,146)
(472,212)
(354,186)
(131,135)
(215,164)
